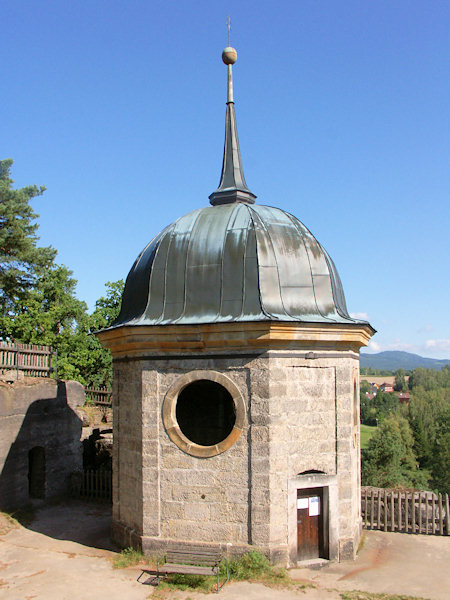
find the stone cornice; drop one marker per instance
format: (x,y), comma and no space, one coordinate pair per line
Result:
(142,340)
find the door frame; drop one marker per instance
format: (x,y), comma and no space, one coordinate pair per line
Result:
(330,512)
(321,528)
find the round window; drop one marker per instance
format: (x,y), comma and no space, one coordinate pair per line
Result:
(203,413)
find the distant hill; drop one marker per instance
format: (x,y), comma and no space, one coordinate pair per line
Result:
(393,360)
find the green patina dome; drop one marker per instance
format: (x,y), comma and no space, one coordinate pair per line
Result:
(233,262)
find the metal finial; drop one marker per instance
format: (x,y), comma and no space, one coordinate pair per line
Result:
(229,57)
(232,186)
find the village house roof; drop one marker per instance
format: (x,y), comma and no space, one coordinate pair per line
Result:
(386,386)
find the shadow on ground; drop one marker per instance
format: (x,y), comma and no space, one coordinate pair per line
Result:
(86,523)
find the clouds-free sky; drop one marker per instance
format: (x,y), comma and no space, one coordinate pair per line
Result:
(118,109)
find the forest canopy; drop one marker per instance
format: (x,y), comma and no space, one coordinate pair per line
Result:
(411,445)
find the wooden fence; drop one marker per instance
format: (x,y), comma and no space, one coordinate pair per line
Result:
(32,360)
(408,512)
(99,397)
(92,485)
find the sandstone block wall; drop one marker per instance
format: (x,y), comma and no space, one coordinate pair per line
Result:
(127,447)
(300,418)
(312,429)
(38,415)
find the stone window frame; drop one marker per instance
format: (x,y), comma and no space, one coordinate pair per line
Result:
(170,421)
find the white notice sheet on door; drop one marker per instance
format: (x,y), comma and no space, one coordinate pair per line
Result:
(314,506)
(302,503)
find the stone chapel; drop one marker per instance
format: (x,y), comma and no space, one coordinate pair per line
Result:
(236,384)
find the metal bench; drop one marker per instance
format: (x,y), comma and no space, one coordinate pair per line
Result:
(193,561)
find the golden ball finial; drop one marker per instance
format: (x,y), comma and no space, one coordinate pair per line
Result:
(229,55)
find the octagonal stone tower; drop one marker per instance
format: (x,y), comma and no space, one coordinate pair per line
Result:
(236,384)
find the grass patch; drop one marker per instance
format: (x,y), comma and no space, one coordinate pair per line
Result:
(131,556)
(367,432)
(21,516)
(198,583)
(252,566)
(7,523)
(128,558)
(357,595)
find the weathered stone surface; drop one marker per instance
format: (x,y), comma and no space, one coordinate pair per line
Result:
(299,420)
(39,415)
(347,549)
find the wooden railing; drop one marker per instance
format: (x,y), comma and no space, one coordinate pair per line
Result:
(92,485)
(99,396)
(408,512)
(32,360)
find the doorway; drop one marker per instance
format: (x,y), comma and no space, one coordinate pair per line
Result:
(310,524)
(36,472)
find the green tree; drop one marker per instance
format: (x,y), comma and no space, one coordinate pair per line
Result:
(365,387)
(364,402)
(440,466)
(375,372)
(385,403)
(38,304)
(374,410)
(429,417)
(37,297)
(107,307)
(440,463)
(51,316)
(400,384)
(430,379)
(92,363)
(368,412)
(51,313)
(22,261)
(389,459)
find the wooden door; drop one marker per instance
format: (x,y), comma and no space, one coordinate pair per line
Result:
(310,523)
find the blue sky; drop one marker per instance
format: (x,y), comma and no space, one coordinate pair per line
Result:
(118,108)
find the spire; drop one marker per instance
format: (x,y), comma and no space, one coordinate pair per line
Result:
(232,186)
